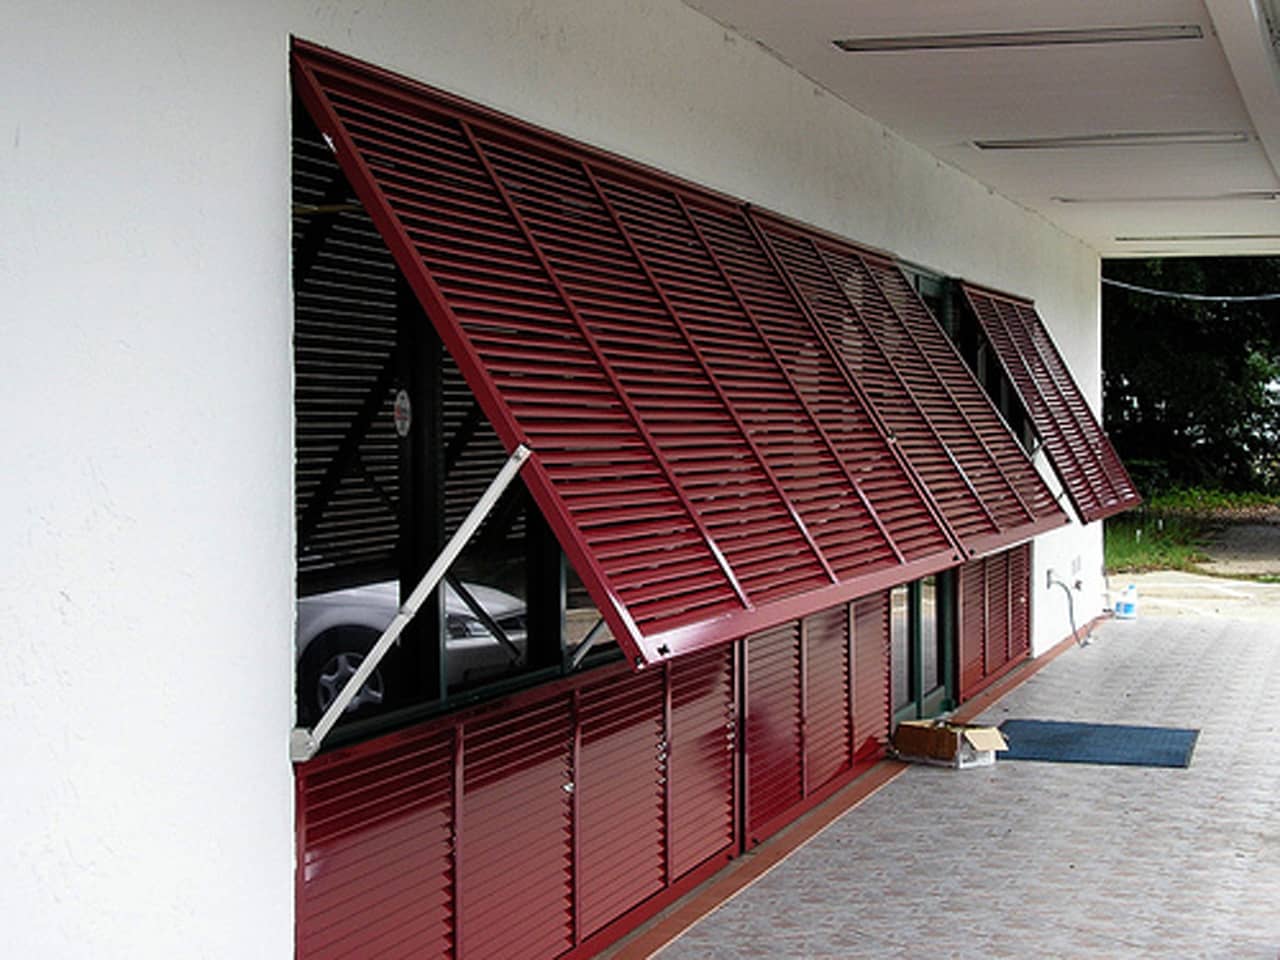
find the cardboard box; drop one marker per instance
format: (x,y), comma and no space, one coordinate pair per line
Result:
(948,744)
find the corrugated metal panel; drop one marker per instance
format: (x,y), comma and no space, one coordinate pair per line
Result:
(828,715)
(621,795)
(986,488)
(376,851)
(516,857)
(703,741)
(615,349)
(1095,480)
(774,743)
(871,675)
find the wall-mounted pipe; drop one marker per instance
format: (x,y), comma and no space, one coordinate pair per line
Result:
(1053,581)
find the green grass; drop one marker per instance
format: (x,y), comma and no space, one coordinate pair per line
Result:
(1197,501)
(1151,541)
(1168,531)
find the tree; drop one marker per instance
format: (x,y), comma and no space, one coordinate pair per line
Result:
(1193,388)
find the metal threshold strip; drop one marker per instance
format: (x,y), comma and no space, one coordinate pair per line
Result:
(305,744)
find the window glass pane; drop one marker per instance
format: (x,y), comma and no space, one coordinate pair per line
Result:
(929,633)
(485,594)
(900,646)
(582,618)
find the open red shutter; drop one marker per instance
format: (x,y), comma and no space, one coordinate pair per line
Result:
(678,453)
(987,490)
(1090,470)
(732,426)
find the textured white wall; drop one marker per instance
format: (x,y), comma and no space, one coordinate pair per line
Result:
(145,394)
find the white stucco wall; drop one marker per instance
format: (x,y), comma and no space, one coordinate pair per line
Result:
(145,394)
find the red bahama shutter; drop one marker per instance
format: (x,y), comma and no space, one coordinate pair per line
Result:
(1090,470)
(702,443)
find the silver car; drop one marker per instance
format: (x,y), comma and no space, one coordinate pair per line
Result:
(337,629)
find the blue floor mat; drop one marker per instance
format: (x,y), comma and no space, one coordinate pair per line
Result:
(1057,741)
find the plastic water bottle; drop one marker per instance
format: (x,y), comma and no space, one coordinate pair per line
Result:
(1127,604)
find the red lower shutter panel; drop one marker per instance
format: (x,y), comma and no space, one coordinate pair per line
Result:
(871,675)
(516,856)
(995,617)
(375,835)
(996,642)
(773,726)
(621,794)
(973,627)
(702,745)
(828,717)
(1090,470)
(1020,585)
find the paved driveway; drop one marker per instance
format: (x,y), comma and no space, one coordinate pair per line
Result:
(1032,860)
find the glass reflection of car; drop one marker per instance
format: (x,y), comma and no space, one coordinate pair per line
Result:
(337,629)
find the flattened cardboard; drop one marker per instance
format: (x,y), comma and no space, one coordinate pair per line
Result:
(985,738)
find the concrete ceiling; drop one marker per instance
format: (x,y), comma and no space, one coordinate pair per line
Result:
(1158,196)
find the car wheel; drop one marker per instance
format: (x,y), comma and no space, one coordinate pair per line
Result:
(327,664)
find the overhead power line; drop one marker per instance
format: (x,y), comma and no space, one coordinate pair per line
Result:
(1197,297)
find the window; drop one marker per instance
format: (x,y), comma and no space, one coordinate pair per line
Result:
(732,420)
(392,450)
(923,647)
(944,300)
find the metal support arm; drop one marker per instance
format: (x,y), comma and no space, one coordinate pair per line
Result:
(305,744)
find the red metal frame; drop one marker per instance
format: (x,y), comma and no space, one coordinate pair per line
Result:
(1091,472)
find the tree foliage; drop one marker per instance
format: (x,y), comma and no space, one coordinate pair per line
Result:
(1193,388)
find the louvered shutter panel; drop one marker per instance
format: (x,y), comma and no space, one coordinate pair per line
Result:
(621,794)
(702,747)
(988,491)
(516,858)
(1083,458)
(828,719)
(375,835)
(996,642)
(679,453)
(1020,584)
(871,675)
(973,622)
(773,726)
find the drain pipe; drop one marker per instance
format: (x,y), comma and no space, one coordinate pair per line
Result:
(1071,609)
